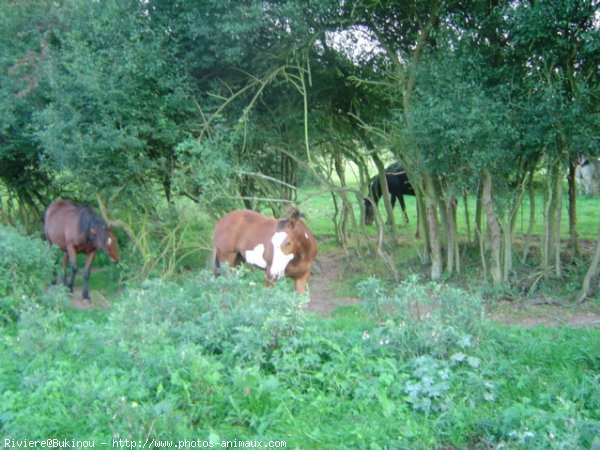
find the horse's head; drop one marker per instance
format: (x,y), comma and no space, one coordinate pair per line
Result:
(106,240)
(288,241)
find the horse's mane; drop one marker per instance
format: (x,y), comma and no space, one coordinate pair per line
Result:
(89,219)
(293,214)
(396,166)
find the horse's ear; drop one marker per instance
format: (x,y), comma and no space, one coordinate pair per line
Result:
(293,216)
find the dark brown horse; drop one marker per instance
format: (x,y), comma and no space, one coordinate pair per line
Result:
(398,187)
(282,247)
(77,229)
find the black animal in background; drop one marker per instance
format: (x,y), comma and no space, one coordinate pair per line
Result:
(398,186)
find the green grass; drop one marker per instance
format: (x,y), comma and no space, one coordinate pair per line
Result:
(320,210)
(200,358)
(406,254)
(414,366)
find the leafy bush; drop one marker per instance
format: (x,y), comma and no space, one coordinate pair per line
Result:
(226,315)
(181,356)
(208,167)
(25,270)
(226,358)
(434,328)
(423,318)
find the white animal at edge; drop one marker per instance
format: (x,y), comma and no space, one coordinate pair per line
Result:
(587,176)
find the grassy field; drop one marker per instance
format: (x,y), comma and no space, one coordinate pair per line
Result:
(222,360)
(415,365)
(320,209)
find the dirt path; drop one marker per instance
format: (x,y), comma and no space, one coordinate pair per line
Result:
(331,269)
(328,272)
(546,313)
(98,300)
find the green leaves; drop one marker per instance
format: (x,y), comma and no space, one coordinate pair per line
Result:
(226,358)
(25,271)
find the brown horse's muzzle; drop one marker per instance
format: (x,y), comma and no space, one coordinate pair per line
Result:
(111,249)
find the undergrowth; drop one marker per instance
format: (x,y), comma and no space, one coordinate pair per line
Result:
(228,359)
(25,270)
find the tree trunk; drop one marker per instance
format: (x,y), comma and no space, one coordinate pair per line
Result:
(478,235)
(422,229)
(591,274)
(385,193)
(288,175)
(558,189)
(363,175)
(467,215)
(495,230)
(531,224)
(337,222)
(510,231)
(546,247)
(346,205)
(551,238)
(452,254)
(573,235)
(435,247)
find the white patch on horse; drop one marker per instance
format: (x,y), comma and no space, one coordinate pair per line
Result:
(280,259)
(256,256)
(306,235)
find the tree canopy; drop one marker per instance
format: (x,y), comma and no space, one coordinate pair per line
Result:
(229,102)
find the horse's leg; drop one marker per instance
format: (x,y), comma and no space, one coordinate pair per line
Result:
(393,202)
(215,263)
(73,260)
(300,283)
(403,207)
(55,272)
(89,259)
(269,281)
(64,264)
(221,258)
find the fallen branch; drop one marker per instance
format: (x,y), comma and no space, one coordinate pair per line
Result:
(118,224)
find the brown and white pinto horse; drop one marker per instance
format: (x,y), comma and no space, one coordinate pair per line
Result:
(282,247)
(77,229)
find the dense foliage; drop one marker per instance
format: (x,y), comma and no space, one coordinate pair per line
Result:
(25,269)
(223,360)
(235,104)
(176,111)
